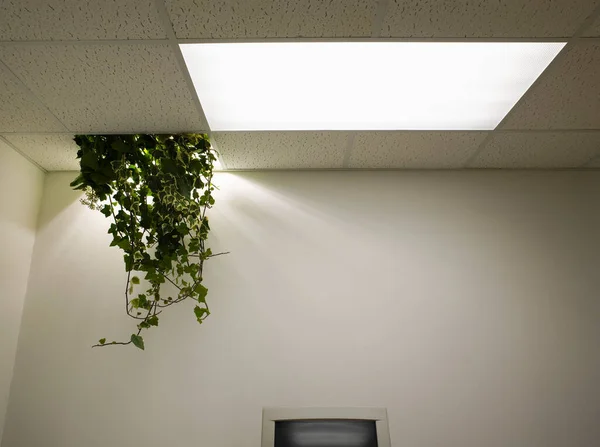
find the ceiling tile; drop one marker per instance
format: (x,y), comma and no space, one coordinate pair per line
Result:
(567,97)
(282,150)
(19,111)
(414,150)
(509,18)
(79,20)
(107,88)
(265,18)
(538,150)
(594,29)
(53,152)
(594,163)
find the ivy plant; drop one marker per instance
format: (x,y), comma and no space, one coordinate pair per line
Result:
(156,189)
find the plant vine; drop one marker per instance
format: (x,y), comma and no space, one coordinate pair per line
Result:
(157,190)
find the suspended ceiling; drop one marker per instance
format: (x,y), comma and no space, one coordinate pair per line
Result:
(76,66)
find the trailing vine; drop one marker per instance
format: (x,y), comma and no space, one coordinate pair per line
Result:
(156,189)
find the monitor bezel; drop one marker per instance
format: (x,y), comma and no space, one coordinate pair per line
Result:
(274,414)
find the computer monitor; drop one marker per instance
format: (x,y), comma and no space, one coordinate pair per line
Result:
(325,427)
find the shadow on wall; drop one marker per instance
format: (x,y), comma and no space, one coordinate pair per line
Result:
(60,202)
(17,182)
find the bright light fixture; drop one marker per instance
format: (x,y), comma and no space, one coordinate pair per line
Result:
(363,85)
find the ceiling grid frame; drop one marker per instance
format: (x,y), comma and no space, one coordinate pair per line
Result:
(498,131)
(379,15)
(27,92)
(163,15)
(380,39)
(25,43)
(376,26)
(22,154)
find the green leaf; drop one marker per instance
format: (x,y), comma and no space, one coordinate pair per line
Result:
(196,166)
(120,146)
(135,280)
(89,160)
(102,341)
(124,244)
(106,210)
(128,262)
(137,341)
(99,178)
(201,291)
(142,301)
(78,181)
(194,245)
(153,320)
(201,313)
(168,166)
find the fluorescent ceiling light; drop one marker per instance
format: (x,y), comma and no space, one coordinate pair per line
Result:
(363,85)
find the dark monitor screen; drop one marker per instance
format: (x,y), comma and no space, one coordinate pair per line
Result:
(326,433)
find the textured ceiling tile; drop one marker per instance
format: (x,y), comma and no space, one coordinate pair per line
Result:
(282,150)
(539,150)
(107,88)
(268,18)
(507,18)
(567,97)
(594,30)
(53,152)
(595,163)
(79,20)
(414,150)
(19,112)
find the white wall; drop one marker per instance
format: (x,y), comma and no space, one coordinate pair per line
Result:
(465,302)
(20,194)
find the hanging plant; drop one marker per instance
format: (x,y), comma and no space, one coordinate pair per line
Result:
(156,189)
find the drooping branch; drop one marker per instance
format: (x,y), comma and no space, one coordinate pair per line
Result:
(176,172)
(213,255)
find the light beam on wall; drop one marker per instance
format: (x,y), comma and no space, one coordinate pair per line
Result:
(363,85)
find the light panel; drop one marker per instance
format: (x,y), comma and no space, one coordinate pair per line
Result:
(363,85)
